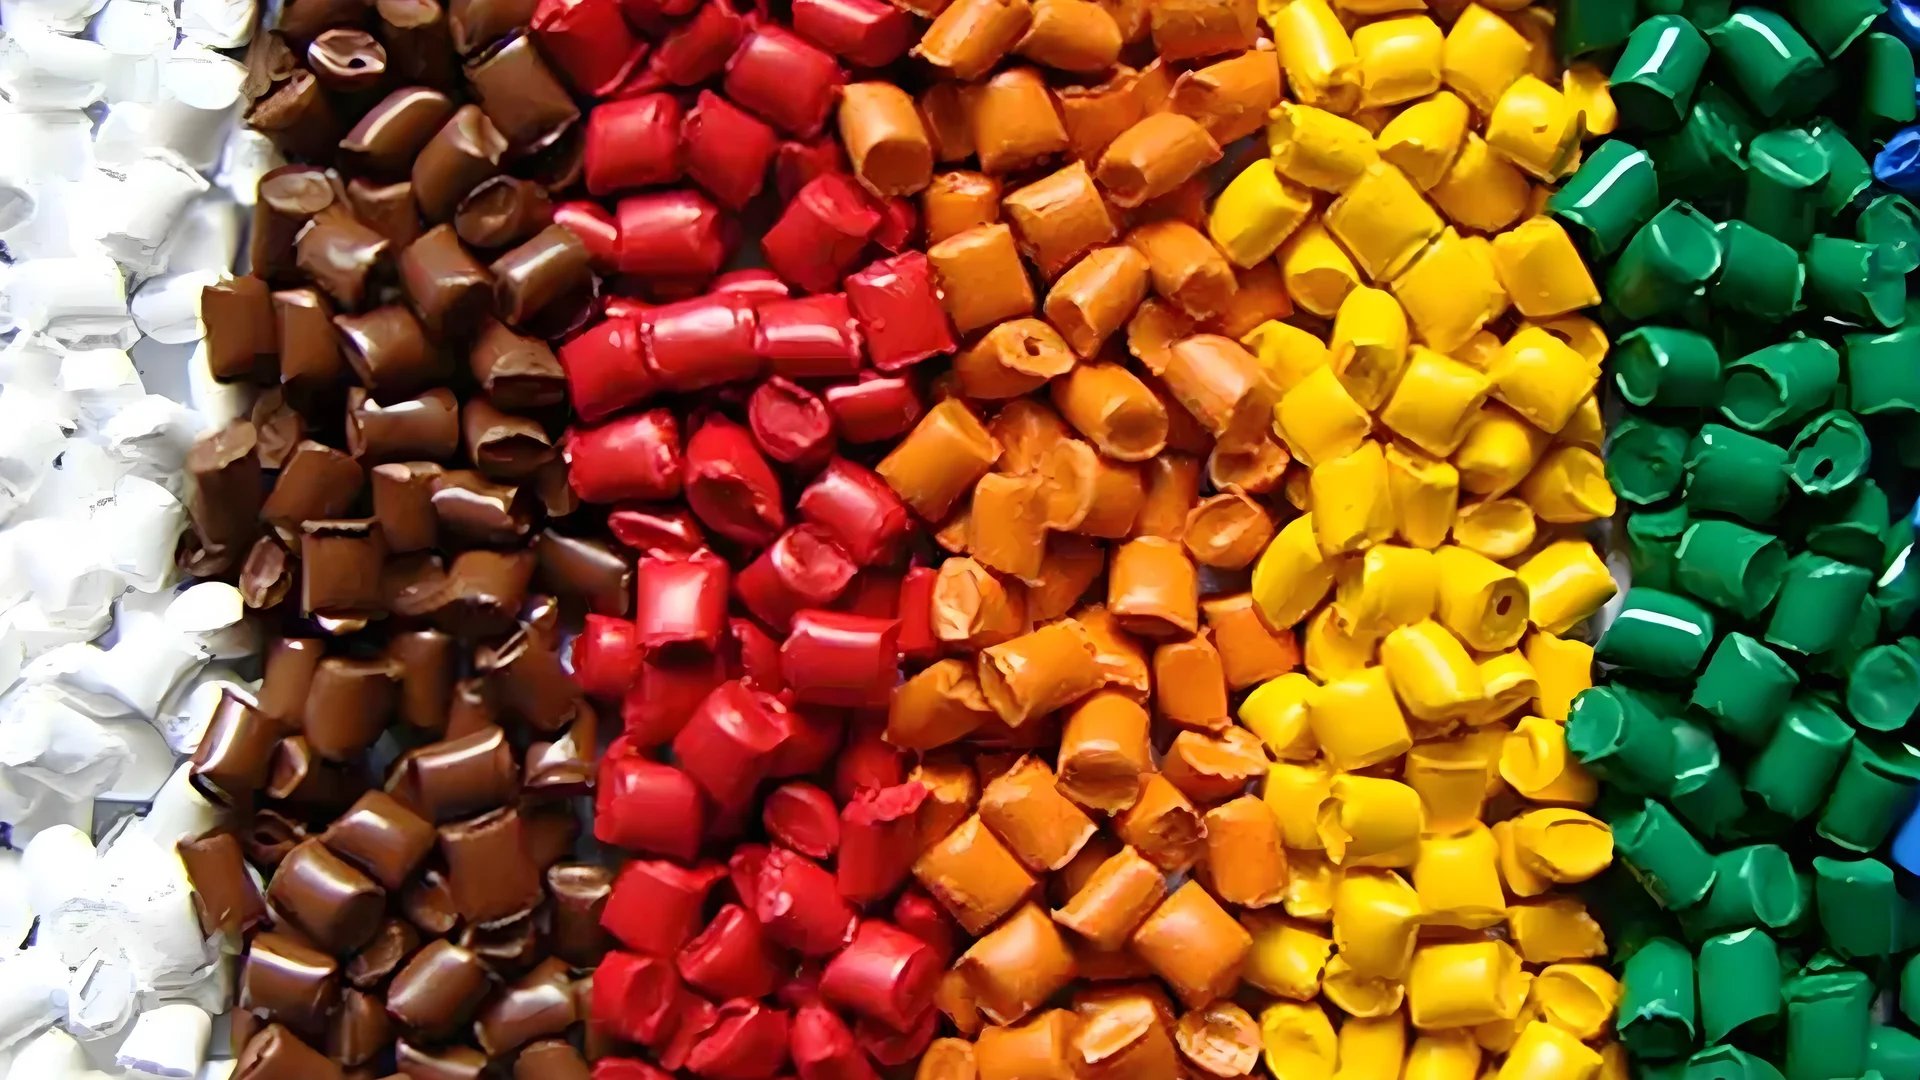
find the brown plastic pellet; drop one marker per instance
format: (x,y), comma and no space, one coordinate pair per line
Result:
(1187,269)
(971,36)
(1173,486)
(1251,652)
(1221,384)
(957,201)
(1060,216)
(1245,862)
(1077,36)
(1153,589)
(1014,120)
(952,792)
(1118,494)
(1042,828)
(1096,296)
(1104,752)
(1008,531)
(1153,329)
(1230,98)
(1096,115)
(947,1059)
(1227,531)
(942,704)
(981,278)
(1069,568)
(1126,1036)
(1037,1048)
(1015,357)
(1163,825)
(1209,768)
(940,459)
(1153,157)
(973,609)
(1027,430)
(886,139)
(1221,1040)
(1190,687)
(1016,967)
(1192,943)
(1111,406)
(1122,659)
(973,875)
(1188,29)
(1115,900)
(943,109)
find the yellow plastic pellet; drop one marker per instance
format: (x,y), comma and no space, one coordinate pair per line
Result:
(1546,1052)
(1425,493)
(1383,221)
(1294,791)
(1319,420)
(1256,212)
(1316,270)
(1451,776)
(1291,576)
(1287,957)
(1481,602)
(1351,510)
(1358,994)
(1376,919)
(1373,1046)
(1317,55)
(1435,401)
(1358,722)
(1368,348)
(1399,59)
(1286,353)
(1586,427)
(1464,984)
(1586,86)
(1318,149)
(1541,270)
(1581,334)
(1510,686)
(1297,1040)
(1388,586)
(1564,667)
(1580,999)
(1500,449)
(1552,929)
(1366,821)
(1481,189)
(1443,1055)
(1566,582)
(1540,377)
(1480,352)
(1614,1064)
(1432,675)
(1483,55)
(1276,711)
(1424,138)
(1569,486)
(1329,649)
(1310,882)
(1457,876)
(1536,764)
(1536,25)
(1496,528)
(1562,845)
(1449,291)
(1534,126)
(1520,878)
